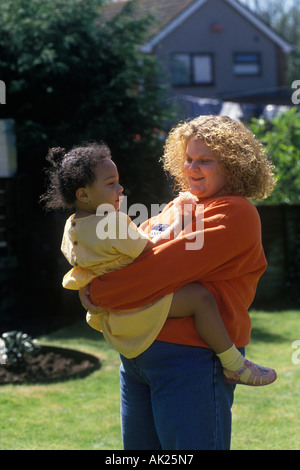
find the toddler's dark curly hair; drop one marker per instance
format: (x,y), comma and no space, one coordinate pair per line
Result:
(70,171)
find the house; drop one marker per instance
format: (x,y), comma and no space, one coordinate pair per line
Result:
(214,49)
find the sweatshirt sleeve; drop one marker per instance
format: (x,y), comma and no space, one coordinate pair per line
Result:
(232,247)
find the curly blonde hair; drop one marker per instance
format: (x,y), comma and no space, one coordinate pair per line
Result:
(248,171)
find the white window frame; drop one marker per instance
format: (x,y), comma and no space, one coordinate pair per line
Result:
(192,75)
(247,64)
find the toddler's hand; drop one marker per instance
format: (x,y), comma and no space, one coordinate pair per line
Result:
(185,203)
(84,296)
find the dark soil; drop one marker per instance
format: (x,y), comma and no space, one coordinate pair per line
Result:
(51,364)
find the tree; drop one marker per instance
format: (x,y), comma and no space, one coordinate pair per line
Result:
(281,137)
(71,77)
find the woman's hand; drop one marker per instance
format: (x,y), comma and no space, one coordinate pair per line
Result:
(84,296)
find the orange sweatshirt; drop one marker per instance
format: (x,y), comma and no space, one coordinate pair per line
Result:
(229,264)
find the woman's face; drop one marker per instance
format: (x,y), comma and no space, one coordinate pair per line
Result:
(202,170)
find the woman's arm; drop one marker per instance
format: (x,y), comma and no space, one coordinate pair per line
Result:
(232,246)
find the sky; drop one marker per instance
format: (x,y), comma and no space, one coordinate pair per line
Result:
(251,3)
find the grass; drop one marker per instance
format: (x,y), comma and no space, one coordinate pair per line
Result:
(268,418)
(80,414)
(84,413)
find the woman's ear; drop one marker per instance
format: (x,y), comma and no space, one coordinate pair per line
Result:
(82,195)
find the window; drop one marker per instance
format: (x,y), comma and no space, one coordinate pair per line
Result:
(192,69)
(202,67)
(246,64)
(181,69)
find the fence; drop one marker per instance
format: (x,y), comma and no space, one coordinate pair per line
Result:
(281,240)
(13,233)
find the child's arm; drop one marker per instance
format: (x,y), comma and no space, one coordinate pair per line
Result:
(171,232)
(184,205)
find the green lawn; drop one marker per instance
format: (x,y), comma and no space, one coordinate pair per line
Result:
(84,413)
(76,414)
(268,418)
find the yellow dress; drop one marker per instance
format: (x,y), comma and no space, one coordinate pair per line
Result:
(100,245)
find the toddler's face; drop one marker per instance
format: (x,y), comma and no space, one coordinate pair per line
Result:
(106,188)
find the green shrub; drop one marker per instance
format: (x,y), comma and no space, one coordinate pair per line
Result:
(281,136)
(14,346)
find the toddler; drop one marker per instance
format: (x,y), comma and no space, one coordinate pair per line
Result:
(87,180)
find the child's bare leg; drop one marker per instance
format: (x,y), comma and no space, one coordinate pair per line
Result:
(195,300)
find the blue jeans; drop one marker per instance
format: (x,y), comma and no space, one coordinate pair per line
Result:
(173,397)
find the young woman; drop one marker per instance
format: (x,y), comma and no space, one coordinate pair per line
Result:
(173,395)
